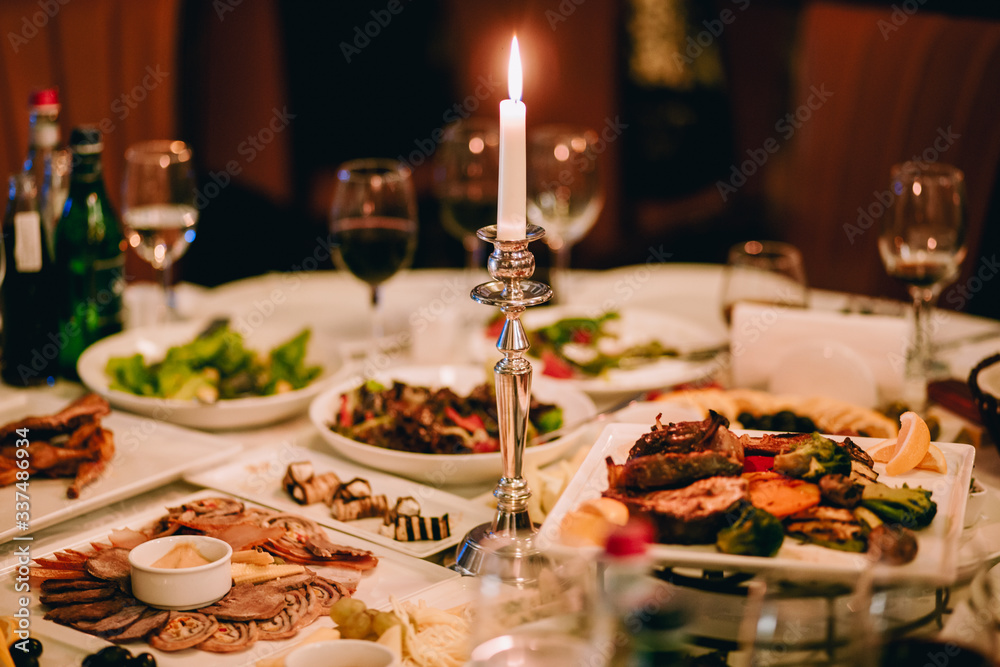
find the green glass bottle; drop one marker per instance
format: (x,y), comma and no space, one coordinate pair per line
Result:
(89,250)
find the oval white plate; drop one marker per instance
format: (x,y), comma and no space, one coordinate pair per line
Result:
(448,469)
(637,326)
(154,341)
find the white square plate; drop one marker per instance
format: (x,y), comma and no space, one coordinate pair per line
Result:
(257,476)
(148,453)
(938,544)
(396,574)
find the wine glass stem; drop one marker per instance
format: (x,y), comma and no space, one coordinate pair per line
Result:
(378,323)
(560,276)
(918,358)
(169,297)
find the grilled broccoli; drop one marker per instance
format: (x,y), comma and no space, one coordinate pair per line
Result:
(754,533)
(912,508)
(814,458)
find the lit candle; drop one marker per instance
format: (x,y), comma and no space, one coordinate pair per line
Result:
(513,188)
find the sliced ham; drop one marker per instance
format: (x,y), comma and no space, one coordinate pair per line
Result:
(126,538)
(184,629)
(61,585)
(230,637)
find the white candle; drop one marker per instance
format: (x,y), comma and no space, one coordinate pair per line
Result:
(513,189)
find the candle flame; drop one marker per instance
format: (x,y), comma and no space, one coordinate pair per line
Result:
(514,77)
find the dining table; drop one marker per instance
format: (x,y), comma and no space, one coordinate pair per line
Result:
(430,319)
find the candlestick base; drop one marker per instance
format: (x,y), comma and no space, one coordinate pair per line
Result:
(506,545)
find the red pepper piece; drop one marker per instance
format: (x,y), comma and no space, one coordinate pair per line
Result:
(757,463)
(554,366)
(345,413)
(472,423)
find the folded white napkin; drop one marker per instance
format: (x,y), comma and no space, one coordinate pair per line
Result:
(852,357)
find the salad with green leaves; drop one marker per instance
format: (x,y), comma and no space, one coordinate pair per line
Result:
(589,346)
(215,366)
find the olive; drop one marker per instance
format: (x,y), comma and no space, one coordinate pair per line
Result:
(805,425)
(747,419)
(142,660)
(783,421)
(109,656)
(764,423)
(22,652)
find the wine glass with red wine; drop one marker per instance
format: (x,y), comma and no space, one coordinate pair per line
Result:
(922,244)
(373,221)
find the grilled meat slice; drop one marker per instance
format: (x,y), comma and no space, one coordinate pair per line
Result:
(73,597)
(114,624)
(248,602)
(87,611)
(831,527)
(772,444)
(150,622)
(110,564)
(669,470)
(692,515)
(82,410)
(858,454)
(681,437)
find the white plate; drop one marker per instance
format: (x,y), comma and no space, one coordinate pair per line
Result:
(397,575)
(153,343)
(636,327)
(148,453)
(448,469)
(257,476)
(937,557)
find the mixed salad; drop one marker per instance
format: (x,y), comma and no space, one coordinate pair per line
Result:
(431,421)
(216,365)
(576,347)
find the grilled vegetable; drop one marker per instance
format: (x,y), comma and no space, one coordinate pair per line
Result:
(754,533)
(840,490)
(896,545)
(780,495)
(814,458)
(912,508)
(831,527)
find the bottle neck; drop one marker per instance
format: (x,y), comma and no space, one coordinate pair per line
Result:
(44,132)
(86,169)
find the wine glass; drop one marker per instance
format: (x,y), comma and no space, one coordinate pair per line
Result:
(536,609)
(922,244)
(158,207)
(374,224)
(766,272)
(565,194)
(466,173)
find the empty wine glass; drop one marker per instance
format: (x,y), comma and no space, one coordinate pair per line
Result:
(373,221)
(565,194)
(466,173)
(922,244)
(538,609)
(158,207)
(766,272)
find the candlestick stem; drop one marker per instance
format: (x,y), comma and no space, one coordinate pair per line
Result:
(510,264)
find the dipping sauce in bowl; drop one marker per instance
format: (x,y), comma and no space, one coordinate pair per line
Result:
(181,571)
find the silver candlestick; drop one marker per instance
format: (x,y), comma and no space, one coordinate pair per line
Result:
(511,533)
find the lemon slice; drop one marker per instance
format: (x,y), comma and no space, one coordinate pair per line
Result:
(883,451)
(911,445)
